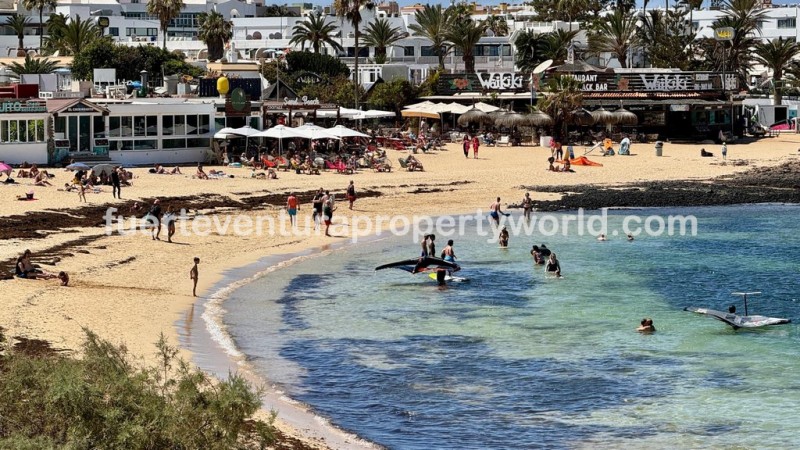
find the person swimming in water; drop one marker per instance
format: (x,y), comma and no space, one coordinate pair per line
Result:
(630,237)
(503,239)
(646,326)
(602,237)
(538,259)
(553,266)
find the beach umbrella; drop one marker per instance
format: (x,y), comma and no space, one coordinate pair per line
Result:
(424,105)
(78,166)
(485,107)
(246,131)
(342,131)
(102,168)
(373,114)
(625,117)
(539,119)
(6,169)
(603,116)
(225,133)
(457,108)
(474,115)
(582,117)
(280,132)
(315,132)
(511,120)
(421,113)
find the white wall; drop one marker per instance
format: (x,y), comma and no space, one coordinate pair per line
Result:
(19,152)
(148,158)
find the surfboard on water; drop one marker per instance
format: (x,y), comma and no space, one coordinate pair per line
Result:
(432,276)
(737,321)
(414,265)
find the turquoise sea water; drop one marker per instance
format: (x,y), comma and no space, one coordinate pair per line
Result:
(516,360)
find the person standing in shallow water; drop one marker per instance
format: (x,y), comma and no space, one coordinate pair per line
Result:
(193,275)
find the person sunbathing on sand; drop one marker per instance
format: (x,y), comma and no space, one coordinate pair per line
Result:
(25,268)
(41,179)
(175,171)
(201,174)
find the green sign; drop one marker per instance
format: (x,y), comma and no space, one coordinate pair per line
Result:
(239,99)
(16,106)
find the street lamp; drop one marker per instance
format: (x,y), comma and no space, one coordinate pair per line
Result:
(723,34)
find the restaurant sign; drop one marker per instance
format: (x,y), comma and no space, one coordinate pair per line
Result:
(17,106)
(609,81)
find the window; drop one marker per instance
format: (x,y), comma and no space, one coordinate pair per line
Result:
(22,130)
(114,127)
(204,123)
(180,125)
(145,144)
(126,130)
(219,123)
(408,51)
(152,126)
(99,127)
(113,31)
(191,124)
(174,143)
(166,125)
(198,143)
(428,50)
(139,126)
(789,22)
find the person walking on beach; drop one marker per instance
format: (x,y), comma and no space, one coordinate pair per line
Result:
(193,274)
(327,210)
(116,185)
(724,150)
(154,217)
(475,144)
(466,146)
(317,205)
(81,192)
(169,221)
(291,208)
(527,206)
(351,193)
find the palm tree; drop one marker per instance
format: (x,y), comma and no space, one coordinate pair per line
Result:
(465,34)
(497,25)
(530,47)
(573,9)
(215,31)
(18,23)
(432,23)
(744,16)
(165,10)
(556,45)
(315,31)
(69,38)
(31,65)
(565,96)
(40,5)
(380,34)
(777,55)
(616,35)
(351,11)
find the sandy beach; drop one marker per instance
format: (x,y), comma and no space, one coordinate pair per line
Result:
(129,288)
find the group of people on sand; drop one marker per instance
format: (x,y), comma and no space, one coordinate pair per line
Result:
(155,217)
(471,141)
(202,175)
(39,177)
(323,204)
(24,268)
(567,167)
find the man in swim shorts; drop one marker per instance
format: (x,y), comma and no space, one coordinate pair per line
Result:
(495,211)
(291,208)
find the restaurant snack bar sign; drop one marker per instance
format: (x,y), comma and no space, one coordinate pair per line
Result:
(608,81)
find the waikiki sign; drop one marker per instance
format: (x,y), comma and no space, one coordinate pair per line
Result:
(500,81)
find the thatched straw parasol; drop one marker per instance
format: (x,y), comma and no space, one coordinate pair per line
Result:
(582,117)
(603,116)
(474,115)
(625,117)
(511,120)
(539,119)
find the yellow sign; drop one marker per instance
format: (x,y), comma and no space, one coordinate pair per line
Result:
(724,33)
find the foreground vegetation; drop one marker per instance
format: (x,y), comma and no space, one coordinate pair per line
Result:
(103,400)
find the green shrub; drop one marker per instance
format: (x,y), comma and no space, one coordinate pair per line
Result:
(104,401)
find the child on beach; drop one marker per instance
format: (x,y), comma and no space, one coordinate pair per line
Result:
(64,277)
(724,150)
(193,274)
(81,192)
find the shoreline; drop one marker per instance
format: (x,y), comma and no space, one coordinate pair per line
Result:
(129,288)
(216,352)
